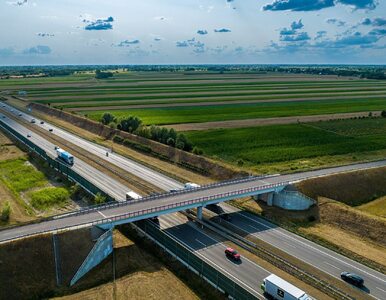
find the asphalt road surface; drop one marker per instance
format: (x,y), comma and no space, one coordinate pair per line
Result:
(320,257)
(248,274)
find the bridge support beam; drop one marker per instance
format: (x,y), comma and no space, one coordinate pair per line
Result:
(102,248)
(199,212)
(270,198)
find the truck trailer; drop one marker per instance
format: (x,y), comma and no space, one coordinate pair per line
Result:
(132,196)
(191,185)
(277,288)
(65,156)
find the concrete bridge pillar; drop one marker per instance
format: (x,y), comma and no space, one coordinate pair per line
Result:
(199,212)
(270,198)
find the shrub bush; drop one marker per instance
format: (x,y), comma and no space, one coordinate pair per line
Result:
(5,212)
(47,197)
(99,198)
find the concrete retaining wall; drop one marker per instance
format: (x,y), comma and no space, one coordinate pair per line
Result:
(292,200)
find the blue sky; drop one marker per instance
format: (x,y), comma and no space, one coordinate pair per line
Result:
(192,31)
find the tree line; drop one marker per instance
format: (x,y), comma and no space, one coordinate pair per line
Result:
(134,125)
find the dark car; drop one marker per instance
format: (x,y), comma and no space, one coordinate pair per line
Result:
(50,130)
(232,254)
(226,217)
(352,278)
(41,122)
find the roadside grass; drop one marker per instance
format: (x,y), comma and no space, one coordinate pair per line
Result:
(250,147)
(223,112)
(45,198)
(19,175)
(376,207)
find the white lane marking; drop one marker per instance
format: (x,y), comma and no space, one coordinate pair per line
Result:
(314,248)
(207,259)
(198,241)
(101,214)
(218,266)
(253,227)
(224,246)
(380,289)
(331,265)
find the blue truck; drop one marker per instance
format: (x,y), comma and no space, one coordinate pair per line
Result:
(65,156)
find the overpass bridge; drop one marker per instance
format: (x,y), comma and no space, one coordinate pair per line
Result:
(123,211)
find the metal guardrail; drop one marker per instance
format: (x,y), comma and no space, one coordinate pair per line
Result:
(202,268)
(133,214)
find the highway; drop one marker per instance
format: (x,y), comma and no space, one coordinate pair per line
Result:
(247,273)
(107,184)
(320,257)
(311,253)
(147,174)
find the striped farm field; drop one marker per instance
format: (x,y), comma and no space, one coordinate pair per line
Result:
(294,145)
(198,114)
(191,98)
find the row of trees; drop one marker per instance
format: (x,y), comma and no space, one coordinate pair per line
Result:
(103,75)
(162,135)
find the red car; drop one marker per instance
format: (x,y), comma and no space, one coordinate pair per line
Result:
(232,253)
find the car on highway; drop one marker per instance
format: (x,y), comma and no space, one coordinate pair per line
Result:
(352,278)
(232,254)
(50,130)
(33,121)
(28,135)
(41,122)
(20,114)
(226,217)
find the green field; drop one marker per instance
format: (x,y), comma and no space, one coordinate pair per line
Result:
(167,98)
(286,143)
(20,176)
(198,114)
(83,91)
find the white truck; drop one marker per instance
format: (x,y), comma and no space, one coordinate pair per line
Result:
(64,155)
(132,196)
(191,185)
(277,288)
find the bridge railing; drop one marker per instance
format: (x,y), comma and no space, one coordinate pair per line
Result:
(138,213)
(176,204)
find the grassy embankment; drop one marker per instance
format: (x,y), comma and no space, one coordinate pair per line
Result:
(28,190)
(282,148)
